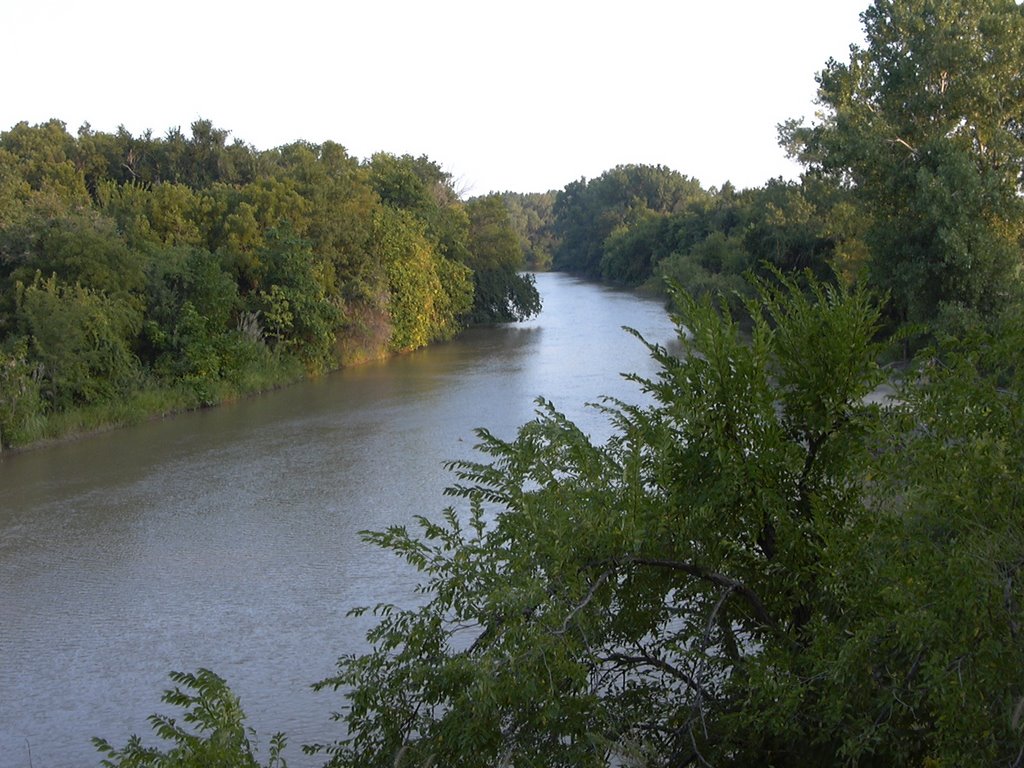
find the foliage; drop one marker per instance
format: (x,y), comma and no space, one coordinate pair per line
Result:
(218,737)
(79,246)
(428,293)
(19,393)
(759,567)
(295,299)
(586,213)
(421,187)
(82,340)
(208,267)
(501,293)
(532,218)
(923,126)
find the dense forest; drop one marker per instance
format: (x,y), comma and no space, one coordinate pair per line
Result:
(143,275)
(766,564)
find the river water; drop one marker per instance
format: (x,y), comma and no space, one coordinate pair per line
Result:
(229,538)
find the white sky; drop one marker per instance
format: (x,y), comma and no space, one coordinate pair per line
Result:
(525,96)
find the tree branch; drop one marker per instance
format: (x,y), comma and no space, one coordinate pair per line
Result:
(586,599)
(705,574)
(664,666)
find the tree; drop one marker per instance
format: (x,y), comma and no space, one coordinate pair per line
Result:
(419,185)
(428,294)
(501,292)
(924,125)
(19,392)
(586,213)
(82,340)
(45,155)
(219,739)
(748,572)
(79,246)
(531,216)
(294,279)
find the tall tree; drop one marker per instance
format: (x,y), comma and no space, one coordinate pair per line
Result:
(422,187)
(501,293)
(924,124)
(532,218)
(586,213)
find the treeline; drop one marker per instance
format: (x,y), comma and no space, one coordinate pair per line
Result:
(142,274)
(941,245)
(914,185)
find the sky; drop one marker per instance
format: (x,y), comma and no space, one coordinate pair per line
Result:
(521,96)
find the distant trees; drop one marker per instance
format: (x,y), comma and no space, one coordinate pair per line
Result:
(913,181)
(531,216)
(477,234)
(587,213)
(702,240)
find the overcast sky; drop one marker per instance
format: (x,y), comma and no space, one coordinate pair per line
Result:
(525,96)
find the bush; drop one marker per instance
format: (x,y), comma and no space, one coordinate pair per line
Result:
(219,740)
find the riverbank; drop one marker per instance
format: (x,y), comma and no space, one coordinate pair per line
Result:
(148,403)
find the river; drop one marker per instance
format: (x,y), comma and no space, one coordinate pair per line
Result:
(228,538)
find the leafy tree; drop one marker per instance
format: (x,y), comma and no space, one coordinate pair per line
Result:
(79,246)
(14,190)
(198,330)
(757,568)
(45,155)
(165,213)
(294,279)
(532,218)
(218,738)
(20,401)
(501,293)
(82,340)
(338,207)
(422,187)
(923,125)
(785,230)
(586,213)
(428,294)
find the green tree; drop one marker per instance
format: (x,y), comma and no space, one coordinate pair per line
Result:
(217,736)
(78,245)
(20,401)
(337,213)
(428,294)
(14,190)
(586,213)
(422,187)
(751,570)
(45,156)
(501,292)
(82,340)
(923,124)
(532,218)
(164,213)
(296,284)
